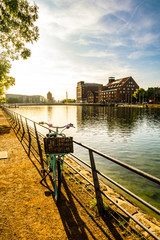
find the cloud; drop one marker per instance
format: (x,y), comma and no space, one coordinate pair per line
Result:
(88,41)
(79,17)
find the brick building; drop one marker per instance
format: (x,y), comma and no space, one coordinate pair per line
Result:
(92,97)
(87,92)
(118,90)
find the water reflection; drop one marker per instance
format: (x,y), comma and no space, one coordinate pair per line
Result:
(50,112)
(130,135)
(123,120)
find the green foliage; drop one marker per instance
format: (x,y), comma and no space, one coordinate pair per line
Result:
(68,101)
(93,205)
(151,93)
(139,95)
(17,18)
(139,92)
(5,80)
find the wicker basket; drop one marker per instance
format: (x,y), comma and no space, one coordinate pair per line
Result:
(55,145)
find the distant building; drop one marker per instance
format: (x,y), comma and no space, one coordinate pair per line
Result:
(18,98)
(87,92)
(49,96)
(118,90)
(50,99)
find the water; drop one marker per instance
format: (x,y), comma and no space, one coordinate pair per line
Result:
(128,134)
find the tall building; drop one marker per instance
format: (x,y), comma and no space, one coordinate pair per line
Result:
(87,92)
(49,97)
(118,90)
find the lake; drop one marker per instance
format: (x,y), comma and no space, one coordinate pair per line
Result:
(127,134)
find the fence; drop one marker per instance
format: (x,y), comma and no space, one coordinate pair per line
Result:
(28,132)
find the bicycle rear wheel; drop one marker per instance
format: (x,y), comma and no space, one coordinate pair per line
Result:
(58,180)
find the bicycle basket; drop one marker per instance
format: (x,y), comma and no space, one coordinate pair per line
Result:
(54,145)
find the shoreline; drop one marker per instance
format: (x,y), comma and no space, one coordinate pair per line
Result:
(116,105)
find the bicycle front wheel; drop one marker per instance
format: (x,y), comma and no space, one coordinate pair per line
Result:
(58,180)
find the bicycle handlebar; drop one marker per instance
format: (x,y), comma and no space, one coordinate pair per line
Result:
(50,125)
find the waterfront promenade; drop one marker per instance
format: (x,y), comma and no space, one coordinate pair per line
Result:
(28,211)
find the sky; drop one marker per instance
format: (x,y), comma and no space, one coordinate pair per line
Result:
(91,40)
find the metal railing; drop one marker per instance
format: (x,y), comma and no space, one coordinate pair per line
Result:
(26,130)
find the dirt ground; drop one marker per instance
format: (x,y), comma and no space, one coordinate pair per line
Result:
(28,209)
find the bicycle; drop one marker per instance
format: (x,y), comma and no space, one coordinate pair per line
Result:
(56,145)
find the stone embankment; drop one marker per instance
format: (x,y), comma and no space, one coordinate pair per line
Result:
(146,219)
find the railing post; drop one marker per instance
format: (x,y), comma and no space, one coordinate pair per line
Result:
(22,128)
(19,125)
(39,145)
(96,184)
(29,136)
(15,120)
(11,116)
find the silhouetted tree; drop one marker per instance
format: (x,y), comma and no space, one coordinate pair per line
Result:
(17,18)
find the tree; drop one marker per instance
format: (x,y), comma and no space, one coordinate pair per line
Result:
(68,100)
(151,93)
(17,18)
(5,80)
(139,95)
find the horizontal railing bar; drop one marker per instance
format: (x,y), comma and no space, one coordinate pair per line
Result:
(117,205)
(120,186)
(79,173)
(80,160)
(133,169)
(130,193)
(32,121)
(129,215)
